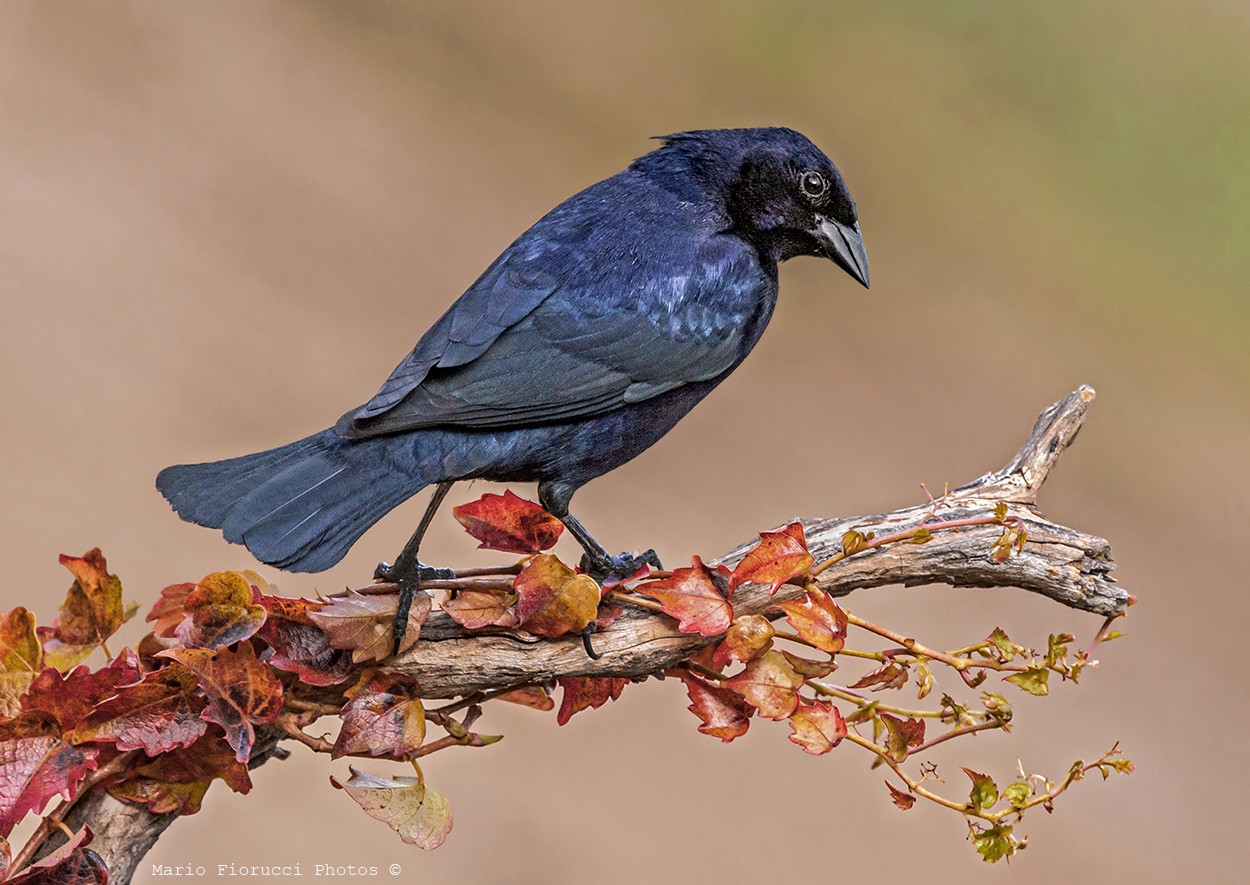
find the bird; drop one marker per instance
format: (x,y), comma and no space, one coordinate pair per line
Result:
(581,345)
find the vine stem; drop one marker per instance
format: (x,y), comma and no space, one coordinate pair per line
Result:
(912,784)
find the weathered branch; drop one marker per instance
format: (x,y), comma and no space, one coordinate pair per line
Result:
(1064,564)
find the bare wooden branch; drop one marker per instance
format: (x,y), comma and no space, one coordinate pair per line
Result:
(1064,564)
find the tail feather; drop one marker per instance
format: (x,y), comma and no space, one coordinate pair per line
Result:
(299,507)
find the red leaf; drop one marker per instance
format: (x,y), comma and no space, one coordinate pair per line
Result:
(175,782)
(888,675)
(778,558)
(241,691)
(692,596)
(298,645)
(725,714)
(899,798)
(818,727)
(222,609)
(552,599)
(748,637)
(364,624)
(160,713)
(770,684)
(71,862)
(383,717)
(92,610)
(818,620)
(33,769)
(170,610)
(902,735)
(535,696)
(506,522)
(70,698)
(21,658)
(587,692)
(475,609)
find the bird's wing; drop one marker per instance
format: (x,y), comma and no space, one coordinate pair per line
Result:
(504,295)
(529,349)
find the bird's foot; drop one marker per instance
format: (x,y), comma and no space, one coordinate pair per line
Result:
(417,572)
(408,578)
(613,569)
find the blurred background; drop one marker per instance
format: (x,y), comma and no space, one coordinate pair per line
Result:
(222,225)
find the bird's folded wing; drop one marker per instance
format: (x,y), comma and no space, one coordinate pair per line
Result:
(525,350)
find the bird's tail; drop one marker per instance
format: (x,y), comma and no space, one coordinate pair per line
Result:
(299,507)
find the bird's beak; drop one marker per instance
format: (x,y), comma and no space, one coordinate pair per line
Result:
(845,246)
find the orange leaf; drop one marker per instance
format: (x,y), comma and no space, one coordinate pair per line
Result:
(818,727)
(818,620)
(692,596)
(770,684)
(506,522)
(535,696)
(587,692)
(778,558)
(364,624)
(222,609)
(552,599)
(748,637)
(475,609)
(241,691)
(382,717)
(92,610)
(725,714)
(21,658)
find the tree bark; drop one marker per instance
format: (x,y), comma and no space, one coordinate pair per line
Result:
(1061,563)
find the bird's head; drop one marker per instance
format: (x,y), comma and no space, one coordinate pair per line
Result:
(780,192)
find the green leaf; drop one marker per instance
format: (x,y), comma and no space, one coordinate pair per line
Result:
(1000,510)
(997,706)
(1005,650)
(984,791)
(1034,680)
(994,843)
(924,679)
(1018,794)
(920,536)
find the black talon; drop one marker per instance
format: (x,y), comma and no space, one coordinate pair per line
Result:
(409,572)
(587,632)
(611,568)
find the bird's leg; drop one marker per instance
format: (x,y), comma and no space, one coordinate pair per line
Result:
(409,571)
(598,563)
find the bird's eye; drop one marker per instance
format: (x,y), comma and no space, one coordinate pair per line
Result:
(813,184)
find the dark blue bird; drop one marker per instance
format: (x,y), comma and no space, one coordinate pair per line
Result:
(579,347)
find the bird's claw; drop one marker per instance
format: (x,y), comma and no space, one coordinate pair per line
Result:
(396,574)
(616,568)
(408,577)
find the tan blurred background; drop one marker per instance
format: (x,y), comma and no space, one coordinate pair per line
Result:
(222,224)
